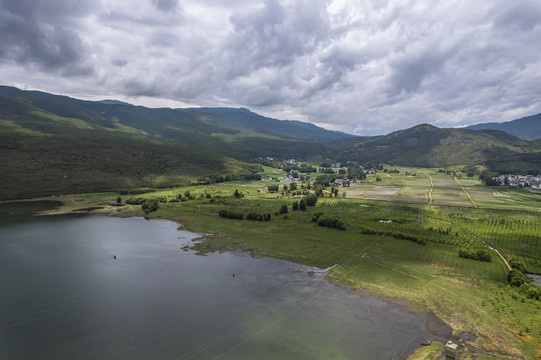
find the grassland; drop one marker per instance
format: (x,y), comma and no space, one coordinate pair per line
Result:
(469,295)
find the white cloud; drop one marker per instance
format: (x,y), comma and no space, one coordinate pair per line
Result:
(369,68)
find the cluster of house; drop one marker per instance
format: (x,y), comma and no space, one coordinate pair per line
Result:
(519,180)
(289,178)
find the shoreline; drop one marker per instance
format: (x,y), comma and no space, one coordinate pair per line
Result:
(102,209)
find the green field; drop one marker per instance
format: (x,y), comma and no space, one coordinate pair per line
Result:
(381,249)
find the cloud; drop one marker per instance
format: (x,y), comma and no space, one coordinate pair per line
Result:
(165,5)
(369,67)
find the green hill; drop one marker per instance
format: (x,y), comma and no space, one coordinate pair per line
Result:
(526,128)
(428,146)
(53,144)
(245,119)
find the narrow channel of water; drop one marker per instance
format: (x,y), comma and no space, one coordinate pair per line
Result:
(64,296)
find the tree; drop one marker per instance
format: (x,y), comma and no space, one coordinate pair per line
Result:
(302,204)
(285,187)
(293,186)
(273,188)
(295,205)
(150,205)
(311,200)
(238,194)
(517,264)
(118,200)
(283,209)
(517,278)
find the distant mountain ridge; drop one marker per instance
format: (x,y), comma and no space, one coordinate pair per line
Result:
(526,128)
(428,146)
(246,119)
(52,144)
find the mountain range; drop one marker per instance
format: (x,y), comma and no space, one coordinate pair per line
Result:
(527,128)
(52,144)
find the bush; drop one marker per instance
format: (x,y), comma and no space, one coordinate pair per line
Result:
(316,216)
(258,217)
(302,205)
(534,292)
(273,188)
(295,205)
(229,214)
(517,264)
(517,278)
(480,254)
(331,222)
(150,205)
(136,200)
(283,209)
(311,200)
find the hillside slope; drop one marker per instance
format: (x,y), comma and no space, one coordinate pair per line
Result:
(428,146)
(526,128)
(245,119)
(42,153)
(53,144)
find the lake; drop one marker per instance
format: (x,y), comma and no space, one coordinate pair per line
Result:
(64,296)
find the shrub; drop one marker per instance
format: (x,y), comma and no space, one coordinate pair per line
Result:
(150,205)
(517,278)
(534,292)
(480,254)
(258,217)
(316,216)
(311,200)
(517,264)
(229,214)
(136,200)
(331,222)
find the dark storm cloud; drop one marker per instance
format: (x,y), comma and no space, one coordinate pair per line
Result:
(368,67)
(523,15)
(165,5)
(275,34)
(42,34)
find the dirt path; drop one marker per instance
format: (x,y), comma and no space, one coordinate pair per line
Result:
(465,192)
(431,188)
(505,261)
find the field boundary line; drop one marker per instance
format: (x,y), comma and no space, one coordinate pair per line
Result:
(465,192)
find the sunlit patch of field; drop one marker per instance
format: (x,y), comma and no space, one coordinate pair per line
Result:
(371,192)
(448,192)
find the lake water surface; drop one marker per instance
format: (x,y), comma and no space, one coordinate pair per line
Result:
(64,296)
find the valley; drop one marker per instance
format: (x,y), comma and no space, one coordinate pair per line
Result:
(375,252)
(407,215)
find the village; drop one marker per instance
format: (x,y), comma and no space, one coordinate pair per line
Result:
(519,180)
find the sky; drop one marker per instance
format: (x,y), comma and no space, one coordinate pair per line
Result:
(363,67)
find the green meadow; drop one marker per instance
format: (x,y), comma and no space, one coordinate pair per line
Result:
(396,242)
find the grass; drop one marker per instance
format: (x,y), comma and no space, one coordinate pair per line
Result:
(469,295)
(431,352)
